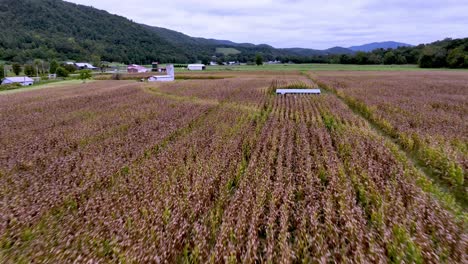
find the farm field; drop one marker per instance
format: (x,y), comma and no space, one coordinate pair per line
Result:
(426,112)
(40,86)
(223,170)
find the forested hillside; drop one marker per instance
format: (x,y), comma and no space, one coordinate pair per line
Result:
(45,29)
(444,53)
(379,45)
(54,29)
(451,53)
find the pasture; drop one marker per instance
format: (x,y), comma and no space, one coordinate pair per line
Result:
(227,51)
(221,169)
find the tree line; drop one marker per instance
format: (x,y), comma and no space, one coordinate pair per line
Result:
(449,53)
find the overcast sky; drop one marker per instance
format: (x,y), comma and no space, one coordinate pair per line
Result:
(300,23)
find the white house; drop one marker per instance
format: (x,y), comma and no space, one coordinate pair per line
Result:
(24,81)
(164,78)
(196,67)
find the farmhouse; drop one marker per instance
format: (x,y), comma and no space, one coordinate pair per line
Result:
(24,81)
(196,67)
(133,68)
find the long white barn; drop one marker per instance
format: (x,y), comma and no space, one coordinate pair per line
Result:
(196,67)
(24,80)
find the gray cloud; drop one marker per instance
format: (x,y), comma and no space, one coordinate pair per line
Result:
(300,23)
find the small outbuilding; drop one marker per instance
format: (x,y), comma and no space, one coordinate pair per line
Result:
(24,80)
(196,67)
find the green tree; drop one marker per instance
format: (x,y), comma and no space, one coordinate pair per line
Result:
(433,57)
(16,68)
(62,72)
(400,59)
(345,59)
(84,75)
(456,58)
(38,63)
(390,58)
(362,58)
(205,61)
(259,59)
(375,59)
(29,70)
(96,61)
(53,66)
(2,72)
(425,61)
(70,68)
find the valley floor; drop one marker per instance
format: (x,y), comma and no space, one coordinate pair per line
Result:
(223,170)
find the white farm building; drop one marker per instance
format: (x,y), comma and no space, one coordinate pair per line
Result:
(85,66)
(196,67)
(170,77)
(24,81)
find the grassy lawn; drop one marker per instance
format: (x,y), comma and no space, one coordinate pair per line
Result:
(227,51)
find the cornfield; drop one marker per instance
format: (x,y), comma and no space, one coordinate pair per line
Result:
(212,171)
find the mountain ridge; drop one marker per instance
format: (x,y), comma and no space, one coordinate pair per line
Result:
(379,45)
(58,29)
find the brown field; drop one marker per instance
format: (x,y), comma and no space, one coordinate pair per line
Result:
(427,112)
(222,170)
(200,75)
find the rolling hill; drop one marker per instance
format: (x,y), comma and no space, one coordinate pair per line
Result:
(48,29)
(379,45)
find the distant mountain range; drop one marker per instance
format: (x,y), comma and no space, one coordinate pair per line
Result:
(48,29)
(379,45)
